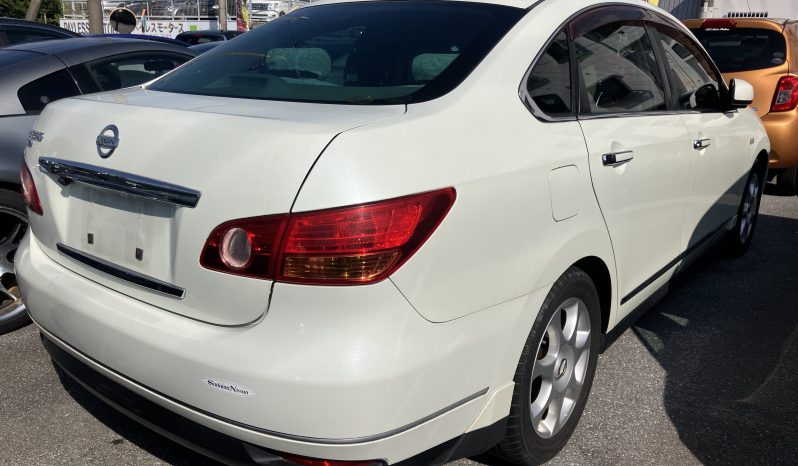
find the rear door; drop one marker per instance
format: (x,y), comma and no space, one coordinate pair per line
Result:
(639,150)
(720,139)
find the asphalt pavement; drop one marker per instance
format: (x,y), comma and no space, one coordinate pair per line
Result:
(708,376)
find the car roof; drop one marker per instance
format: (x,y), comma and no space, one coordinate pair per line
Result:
(22,22)
(515,3)
(204,32)
(79,50)
(165,40)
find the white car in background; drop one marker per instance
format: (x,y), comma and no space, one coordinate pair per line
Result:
(383,232)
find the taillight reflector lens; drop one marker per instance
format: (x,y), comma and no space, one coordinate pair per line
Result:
(29,190)
(319,462)
(786,97)
(344,246)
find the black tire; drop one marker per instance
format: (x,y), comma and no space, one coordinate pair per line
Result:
(787,181)
(739,238)
(523,443)
(13,223)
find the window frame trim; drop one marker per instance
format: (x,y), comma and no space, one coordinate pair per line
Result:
(657,18)
(577,99)
(527,99)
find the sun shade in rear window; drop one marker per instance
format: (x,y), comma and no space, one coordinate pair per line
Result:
(354,53)
(743,49)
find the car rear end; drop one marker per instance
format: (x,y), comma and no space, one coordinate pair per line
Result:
(763,52)
(171,273)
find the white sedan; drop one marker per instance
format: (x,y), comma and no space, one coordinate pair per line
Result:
(380,233)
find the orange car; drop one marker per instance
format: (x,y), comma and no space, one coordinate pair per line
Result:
(763,52)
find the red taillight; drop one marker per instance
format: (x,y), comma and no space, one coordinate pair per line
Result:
(263,234)
(718,23)
(29,190)
(786,97)
(344,246)
(318,462)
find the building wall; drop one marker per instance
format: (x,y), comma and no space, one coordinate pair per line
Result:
(774,8)
(682,9)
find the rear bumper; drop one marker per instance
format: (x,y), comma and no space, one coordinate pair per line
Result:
(782,129)
(351,374)
(213,444)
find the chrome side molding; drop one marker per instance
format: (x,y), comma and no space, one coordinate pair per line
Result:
(67,172)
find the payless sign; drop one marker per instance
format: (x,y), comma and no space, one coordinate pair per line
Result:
(166,28)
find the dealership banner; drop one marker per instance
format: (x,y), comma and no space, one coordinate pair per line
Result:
(152,27)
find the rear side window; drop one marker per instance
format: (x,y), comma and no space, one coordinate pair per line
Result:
(354,53)
(696,85)
(127,70)
(618,69)
(549,82)
(35,95)
(743,49)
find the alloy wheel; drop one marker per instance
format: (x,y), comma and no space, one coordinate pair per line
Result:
(560,368)
(750,208)
(13,226)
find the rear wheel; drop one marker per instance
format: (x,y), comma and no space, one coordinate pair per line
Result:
(555,372)
(787,181)
(738,240)
(13,225)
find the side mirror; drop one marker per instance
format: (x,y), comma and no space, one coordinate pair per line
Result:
(741,93)
(122,20)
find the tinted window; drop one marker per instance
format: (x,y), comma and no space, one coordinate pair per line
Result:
(549,83)
(355,53)
(618,70)
(195,39)
(127,70)
(743,49)
(18,35)
(695,83)
(35,95)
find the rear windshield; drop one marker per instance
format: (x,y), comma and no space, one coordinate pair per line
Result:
(351,53)
(743,49)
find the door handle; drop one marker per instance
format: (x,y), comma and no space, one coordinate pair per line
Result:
(614,159)
(703,143)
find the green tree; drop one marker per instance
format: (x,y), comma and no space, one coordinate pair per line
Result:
(51,9)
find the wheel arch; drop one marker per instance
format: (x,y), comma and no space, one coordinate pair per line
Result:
(761,161)
(8,186)
(599,273)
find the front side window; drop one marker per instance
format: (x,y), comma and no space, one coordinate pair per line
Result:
(695,83)
(121,71)
(353,53)
(36,94)
(549,82)
(618,69)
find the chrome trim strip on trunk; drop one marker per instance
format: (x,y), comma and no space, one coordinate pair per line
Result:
(120,272)
(67,172)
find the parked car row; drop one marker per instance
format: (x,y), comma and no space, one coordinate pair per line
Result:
(410,257)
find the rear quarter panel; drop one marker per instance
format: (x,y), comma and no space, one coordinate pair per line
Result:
(500,240)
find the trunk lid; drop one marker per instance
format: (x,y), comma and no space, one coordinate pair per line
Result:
(241,158)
